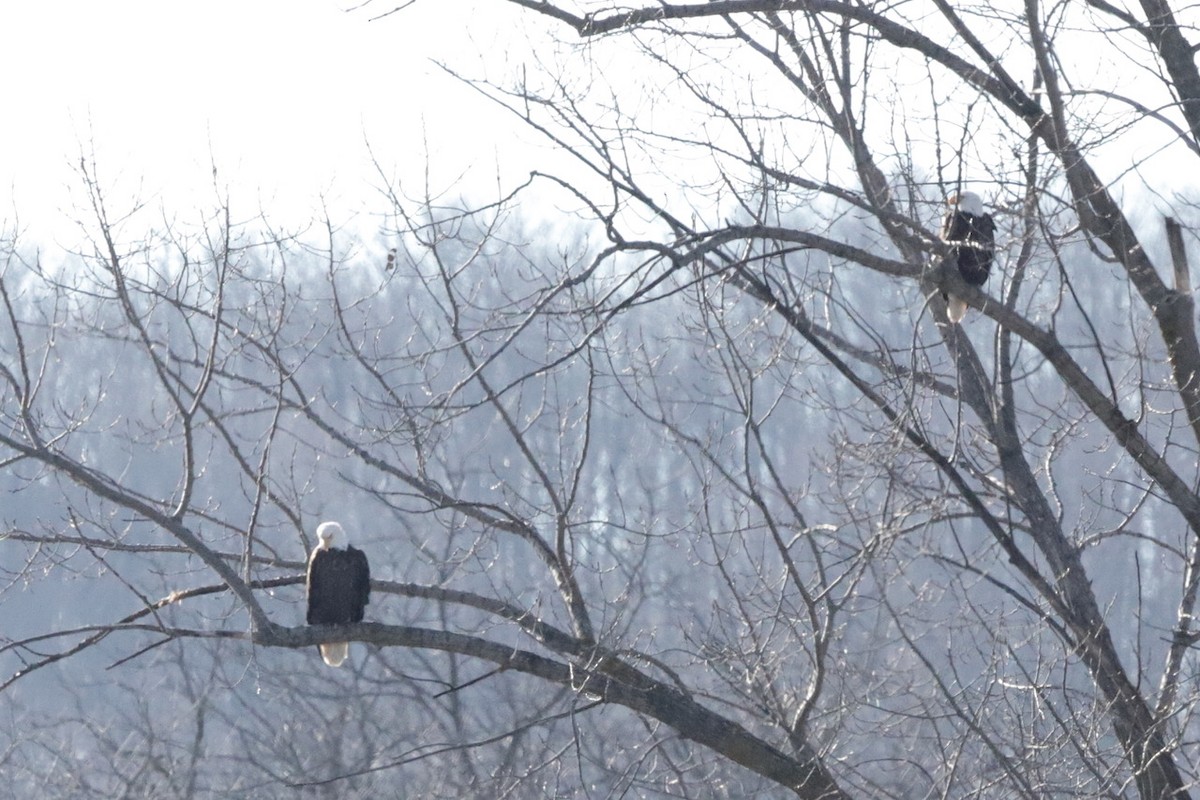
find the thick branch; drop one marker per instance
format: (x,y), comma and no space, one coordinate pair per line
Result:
(805,775)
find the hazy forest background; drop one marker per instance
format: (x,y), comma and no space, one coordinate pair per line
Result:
(674,478)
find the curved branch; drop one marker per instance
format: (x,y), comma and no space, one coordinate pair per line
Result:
(804,774)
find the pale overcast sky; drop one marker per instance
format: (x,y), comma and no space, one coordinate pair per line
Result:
(282,94)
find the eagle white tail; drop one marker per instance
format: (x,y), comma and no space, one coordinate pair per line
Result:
(955,309)
(335,653)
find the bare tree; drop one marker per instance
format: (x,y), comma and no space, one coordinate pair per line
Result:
(719,504)
(838,75)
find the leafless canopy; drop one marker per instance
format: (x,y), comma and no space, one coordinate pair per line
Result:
(675,478)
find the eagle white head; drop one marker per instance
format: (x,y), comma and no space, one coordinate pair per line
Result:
(968,202)
(326,532)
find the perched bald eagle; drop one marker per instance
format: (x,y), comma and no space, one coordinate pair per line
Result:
(339,587)
(971,235)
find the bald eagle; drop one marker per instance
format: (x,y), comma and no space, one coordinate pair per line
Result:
(339,587)
(971,235)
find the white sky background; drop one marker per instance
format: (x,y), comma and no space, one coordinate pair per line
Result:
(282,96)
